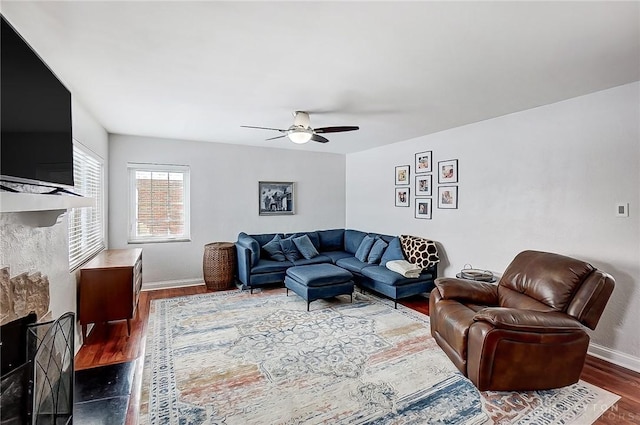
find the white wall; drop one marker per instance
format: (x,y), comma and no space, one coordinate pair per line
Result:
(546,178)
(224,197)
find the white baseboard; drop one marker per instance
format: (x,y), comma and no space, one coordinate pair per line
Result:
(615,357)
(166,284)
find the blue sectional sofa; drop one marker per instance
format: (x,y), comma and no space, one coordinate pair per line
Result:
(336,246)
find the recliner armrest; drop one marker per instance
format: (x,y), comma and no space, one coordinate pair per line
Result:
(467,291)
(528,320)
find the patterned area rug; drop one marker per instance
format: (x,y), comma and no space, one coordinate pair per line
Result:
(235,358)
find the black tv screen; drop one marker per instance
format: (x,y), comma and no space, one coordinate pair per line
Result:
(37,143)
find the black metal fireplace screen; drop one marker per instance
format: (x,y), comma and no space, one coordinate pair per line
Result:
(40,390)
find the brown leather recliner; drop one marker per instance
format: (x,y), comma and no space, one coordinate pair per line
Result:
(528,331)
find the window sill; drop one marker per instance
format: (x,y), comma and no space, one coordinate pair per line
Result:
(149,241)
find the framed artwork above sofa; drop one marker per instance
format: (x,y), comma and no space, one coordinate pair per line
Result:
(276,198)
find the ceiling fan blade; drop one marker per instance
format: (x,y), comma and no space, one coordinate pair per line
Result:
(336,129)
(277,137)
(318,138)
(264,128)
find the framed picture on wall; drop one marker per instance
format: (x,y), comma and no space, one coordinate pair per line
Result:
(276,198)
(423,162)
(423,185)
(423,208)
(402,175)
(448,171)
(448,197)
(402,196)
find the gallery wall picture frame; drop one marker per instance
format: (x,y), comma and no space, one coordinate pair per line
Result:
(423,208)
(423,162)
(276,198)
(423,185)
(448,171)
(448,197)
(402,175)
(402,196)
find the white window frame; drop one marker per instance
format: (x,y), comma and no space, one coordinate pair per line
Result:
(133,238)
(89,243)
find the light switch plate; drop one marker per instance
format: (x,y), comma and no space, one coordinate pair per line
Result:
(622,210)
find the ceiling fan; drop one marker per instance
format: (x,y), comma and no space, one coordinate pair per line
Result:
(301,132)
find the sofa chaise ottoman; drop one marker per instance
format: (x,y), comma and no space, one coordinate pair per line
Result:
(258,268)
(318,281)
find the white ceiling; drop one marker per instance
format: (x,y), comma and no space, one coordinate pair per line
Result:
(200,70)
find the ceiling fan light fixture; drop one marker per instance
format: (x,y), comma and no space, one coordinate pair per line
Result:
(299,135)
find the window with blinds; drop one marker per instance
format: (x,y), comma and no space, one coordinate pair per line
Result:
(86,225)
(159,203)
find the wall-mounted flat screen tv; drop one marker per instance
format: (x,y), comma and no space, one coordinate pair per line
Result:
(36,141)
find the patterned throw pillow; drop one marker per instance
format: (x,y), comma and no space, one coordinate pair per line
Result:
(419,251)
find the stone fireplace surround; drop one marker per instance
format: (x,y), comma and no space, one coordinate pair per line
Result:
(34,256)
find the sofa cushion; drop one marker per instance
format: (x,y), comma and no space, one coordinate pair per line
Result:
(352,240)
(331,240)
(393,252)
(273,249)
(419,251)
(318,259)
(388,277)
(305,246)
(365,247)
(336,255)
(352,264)
(270,266)
(289,249)
(376,252)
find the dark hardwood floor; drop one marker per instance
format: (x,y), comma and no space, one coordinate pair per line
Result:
(109,343)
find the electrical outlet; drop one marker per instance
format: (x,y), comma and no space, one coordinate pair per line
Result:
(622,210)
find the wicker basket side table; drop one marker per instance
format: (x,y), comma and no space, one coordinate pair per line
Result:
(219,265)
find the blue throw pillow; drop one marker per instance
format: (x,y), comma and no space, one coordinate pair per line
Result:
(305,246)
(393,252)
(274,250)
(289,249)
(365,246)
(377,250)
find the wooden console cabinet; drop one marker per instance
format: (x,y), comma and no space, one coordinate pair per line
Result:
(110,287)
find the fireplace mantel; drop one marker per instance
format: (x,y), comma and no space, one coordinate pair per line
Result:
(43,210)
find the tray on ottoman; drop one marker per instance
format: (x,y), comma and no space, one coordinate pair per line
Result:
(318,281)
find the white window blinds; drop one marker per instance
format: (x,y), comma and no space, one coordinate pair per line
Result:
(159,203)
(86,225)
